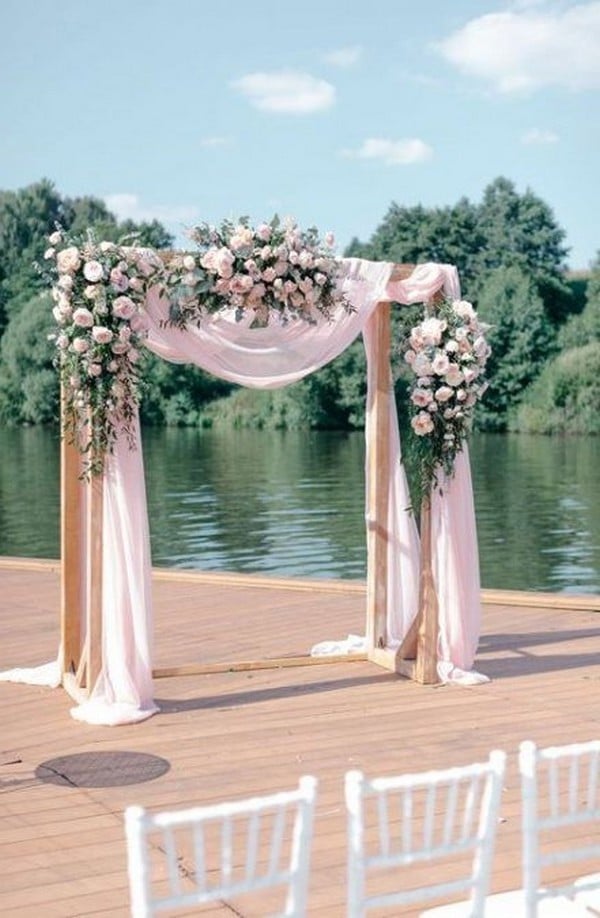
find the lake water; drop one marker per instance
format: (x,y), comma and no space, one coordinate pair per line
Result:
(292,503)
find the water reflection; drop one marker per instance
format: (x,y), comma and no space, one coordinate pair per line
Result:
(293,504)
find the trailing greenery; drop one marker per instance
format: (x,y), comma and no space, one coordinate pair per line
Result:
(508,248)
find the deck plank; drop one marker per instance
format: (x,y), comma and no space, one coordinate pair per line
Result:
(232,734)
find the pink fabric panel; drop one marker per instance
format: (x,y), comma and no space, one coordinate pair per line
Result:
(455,561)
(123,693)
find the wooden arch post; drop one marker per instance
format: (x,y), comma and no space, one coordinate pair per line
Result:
(416,657)
(81,572)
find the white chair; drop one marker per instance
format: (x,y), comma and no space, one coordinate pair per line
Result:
(421,819)
(560,789)
(222,851)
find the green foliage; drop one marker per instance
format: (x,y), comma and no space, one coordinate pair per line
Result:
(521,339)
(566,396)
(409,235)
(29,389)
(174,393)
(581,329)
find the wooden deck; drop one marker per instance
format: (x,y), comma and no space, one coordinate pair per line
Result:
(233,734)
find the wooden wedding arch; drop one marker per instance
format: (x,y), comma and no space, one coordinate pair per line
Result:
(81,559)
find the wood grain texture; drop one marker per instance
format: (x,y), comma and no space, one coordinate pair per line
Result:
(232,734)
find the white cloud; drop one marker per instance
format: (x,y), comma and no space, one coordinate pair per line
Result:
(539,137)
(210,142)
(344,57)
(392,152)
(128,206)
(523,51)
(286,92)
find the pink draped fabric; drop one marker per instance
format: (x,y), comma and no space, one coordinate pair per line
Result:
(271,357)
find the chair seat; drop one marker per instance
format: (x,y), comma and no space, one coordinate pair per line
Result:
(588,897)
(511,905)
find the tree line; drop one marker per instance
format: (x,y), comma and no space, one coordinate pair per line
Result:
(510,252)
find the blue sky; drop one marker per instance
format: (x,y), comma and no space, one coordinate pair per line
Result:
(324,110)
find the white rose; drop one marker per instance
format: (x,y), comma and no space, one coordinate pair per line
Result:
(93,271)
(55,238)
(68,260)
(189,262)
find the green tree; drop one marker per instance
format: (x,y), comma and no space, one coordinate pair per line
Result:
(410,235)
(27,217)
(581,329)
(519,230)
(521,338)
(565,398)
(29,390)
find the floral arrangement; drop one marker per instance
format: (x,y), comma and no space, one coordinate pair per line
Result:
(275,270)
(447,352)
(99,291)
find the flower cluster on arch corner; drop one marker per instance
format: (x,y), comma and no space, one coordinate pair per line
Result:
(447,352)
(99,289)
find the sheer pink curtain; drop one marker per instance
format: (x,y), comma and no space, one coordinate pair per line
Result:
(271,357)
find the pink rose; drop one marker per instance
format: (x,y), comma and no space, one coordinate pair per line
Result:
(329,240)
(138,323)
(224,260)
(444,393)
(68,260)
(209,260)
(269,275)
(263,231)
(102,335)
(440,364)
(120,347)
(422,423)
(305,259)
(62,342)
(421,397)
(266,252)
(93,271)
(422,365)
(123,307)
(119,281)
(240,283)
(80,345)
(55,238)
(222,286)
(320,278)
(470,374)
(189,262)
(136,284)
(410,357)
(95,369)
(454,376)
(83,318)
(144,267)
